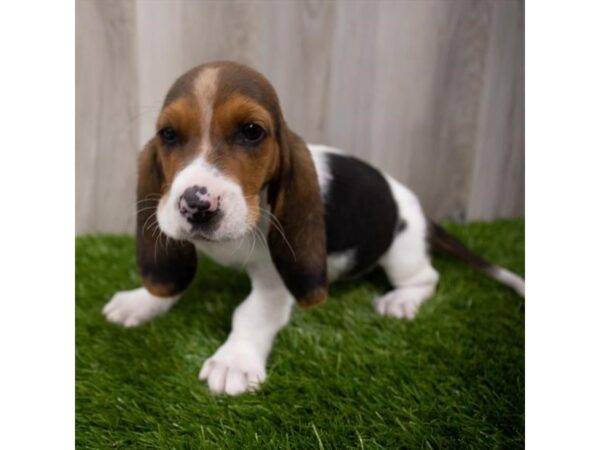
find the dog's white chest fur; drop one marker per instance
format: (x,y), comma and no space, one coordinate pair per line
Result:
(248,250)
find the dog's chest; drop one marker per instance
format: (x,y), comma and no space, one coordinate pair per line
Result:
(248,250)
(251,251)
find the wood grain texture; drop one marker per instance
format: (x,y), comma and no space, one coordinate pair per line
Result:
(458,64)
(106,141)
(159,58)
(431,91)
(498,184)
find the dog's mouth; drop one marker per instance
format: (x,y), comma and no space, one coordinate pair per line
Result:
(203,235)
(200,236)
(196,234)
(218,228)
(206,231)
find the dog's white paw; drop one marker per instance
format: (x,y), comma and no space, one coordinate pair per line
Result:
(133,308)
(235,368)
(402,303)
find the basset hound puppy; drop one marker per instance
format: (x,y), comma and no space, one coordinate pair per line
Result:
(225,177)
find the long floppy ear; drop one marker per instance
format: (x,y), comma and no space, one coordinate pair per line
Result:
(297,242)
(167,267)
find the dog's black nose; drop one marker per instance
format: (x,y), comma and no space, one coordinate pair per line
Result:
(197,205)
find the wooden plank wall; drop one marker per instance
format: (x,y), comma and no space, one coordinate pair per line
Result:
(430,90)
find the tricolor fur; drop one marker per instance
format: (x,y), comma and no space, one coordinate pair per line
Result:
(225,177)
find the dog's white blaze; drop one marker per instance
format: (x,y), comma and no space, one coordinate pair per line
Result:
(205,87)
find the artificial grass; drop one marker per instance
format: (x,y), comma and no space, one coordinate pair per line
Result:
(340,376)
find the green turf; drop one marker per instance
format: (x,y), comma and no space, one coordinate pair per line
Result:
(339,377)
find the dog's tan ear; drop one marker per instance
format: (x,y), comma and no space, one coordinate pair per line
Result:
(167,267)
(297,242)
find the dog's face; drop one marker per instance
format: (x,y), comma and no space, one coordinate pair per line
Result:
(221,142)
(217,145)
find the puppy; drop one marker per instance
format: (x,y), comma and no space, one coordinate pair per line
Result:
(225,177)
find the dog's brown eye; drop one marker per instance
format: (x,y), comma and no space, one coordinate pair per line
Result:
(169,136)
(251,134)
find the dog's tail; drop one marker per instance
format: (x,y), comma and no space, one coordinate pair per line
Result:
(440,239)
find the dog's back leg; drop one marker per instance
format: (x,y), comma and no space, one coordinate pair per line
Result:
(410,272)
(407,262)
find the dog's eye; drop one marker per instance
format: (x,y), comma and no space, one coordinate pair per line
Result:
(169,136)
(251,134)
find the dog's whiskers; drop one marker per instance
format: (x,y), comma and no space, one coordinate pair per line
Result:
(145,209)
(238,245)
(274,221)
(262,236)
(150,217)
(149,198)
(251,249)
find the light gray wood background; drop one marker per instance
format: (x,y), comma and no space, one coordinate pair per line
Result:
(432,91)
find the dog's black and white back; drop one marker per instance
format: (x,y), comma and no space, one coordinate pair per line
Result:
(224,177)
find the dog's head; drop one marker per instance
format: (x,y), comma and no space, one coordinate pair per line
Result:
(221,141)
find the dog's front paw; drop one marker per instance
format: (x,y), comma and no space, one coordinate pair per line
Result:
(398,303)
(133,308)
(235,368)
